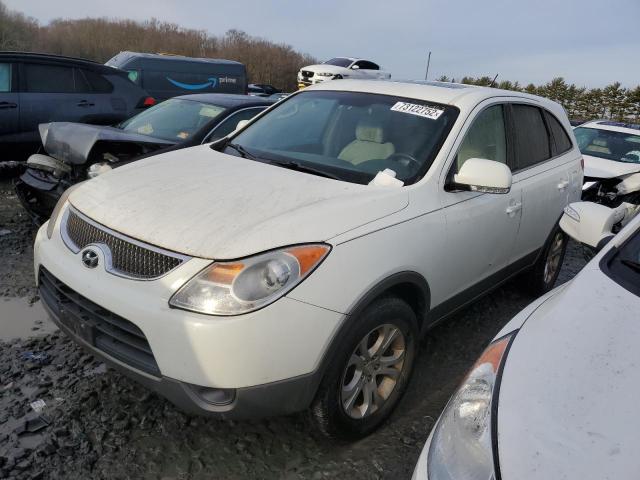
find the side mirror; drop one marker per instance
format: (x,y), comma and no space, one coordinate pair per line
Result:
(241,124)
(480,175)
(355,67)
(590,223)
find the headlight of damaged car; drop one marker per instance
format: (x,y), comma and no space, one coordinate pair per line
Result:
(461,446)
(233,288)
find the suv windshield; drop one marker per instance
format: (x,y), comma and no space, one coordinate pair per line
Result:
(175,119)
(339,62)
(349,135)
(617,146)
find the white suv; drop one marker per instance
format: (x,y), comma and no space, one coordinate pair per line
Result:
(297,262)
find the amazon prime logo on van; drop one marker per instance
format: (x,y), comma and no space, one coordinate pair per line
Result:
(212,82)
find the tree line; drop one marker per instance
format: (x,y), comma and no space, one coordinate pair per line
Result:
(613,102)
(100,39)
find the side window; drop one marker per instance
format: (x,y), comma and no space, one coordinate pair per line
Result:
(230,123)
(561,140)
(364,64)
(532,144)
(485,139)
(98,83)
(48,78)
(5,77)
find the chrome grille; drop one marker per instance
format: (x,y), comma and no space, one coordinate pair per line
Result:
(125,257)
(307,73)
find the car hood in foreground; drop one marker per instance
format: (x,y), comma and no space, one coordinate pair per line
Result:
(208,204)
(568,403)
(597,167)
(73,142)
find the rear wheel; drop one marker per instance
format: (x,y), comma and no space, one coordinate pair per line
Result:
(544,273)
(369,374)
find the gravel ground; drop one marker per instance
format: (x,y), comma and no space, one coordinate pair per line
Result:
(98,424)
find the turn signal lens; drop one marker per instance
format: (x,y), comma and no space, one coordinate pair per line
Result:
(233,288)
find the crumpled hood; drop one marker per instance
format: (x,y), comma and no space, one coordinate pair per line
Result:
(568,399)
(208,204)
(72,142)
(597,167)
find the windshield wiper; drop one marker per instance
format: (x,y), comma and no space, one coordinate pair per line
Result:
(631,264)
(290,164)
(241,150)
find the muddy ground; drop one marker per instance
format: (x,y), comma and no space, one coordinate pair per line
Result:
(98,424)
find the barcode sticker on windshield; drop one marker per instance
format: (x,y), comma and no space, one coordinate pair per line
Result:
(419,110)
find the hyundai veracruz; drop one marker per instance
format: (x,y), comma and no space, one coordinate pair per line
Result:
(295,263)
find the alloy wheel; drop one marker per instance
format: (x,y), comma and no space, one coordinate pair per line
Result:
(552,264)
(373,371)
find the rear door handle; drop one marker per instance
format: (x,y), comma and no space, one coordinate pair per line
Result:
(8,105)
(84,103)
(512,209)
(563,184)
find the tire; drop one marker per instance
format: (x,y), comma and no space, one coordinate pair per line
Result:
(357,394)
(543,275)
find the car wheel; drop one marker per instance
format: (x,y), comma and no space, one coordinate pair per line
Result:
(370,371)
(545,272)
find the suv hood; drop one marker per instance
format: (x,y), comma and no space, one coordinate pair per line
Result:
(569,392)
(73,142)
(208,204)
(596,167)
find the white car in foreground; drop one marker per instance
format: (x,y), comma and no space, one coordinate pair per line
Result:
(296,262)
(556,394)
(339,68)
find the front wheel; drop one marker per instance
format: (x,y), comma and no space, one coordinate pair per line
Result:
(370,372)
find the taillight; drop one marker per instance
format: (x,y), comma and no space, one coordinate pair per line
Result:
(146,102)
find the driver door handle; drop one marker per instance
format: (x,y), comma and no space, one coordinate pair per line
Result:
(563,184)
(8,105)
(84,103)
(512,209)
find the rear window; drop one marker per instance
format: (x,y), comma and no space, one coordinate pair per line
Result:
(97,82)
(532,140)
(48,79)
(622,265)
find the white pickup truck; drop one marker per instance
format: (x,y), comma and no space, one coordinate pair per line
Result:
(340,67)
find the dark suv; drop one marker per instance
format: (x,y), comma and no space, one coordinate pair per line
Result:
(41,88)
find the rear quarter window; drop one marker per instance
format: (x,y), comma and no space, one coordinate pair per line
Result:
(561,140)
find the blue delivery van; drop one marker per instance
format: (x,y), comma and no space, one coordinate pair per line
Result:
(164,76)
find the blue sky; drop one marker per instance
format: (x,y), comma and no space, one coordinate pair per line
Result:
(589,42)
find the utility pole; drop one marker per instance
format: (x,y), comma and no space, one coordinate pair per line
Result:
(428,62)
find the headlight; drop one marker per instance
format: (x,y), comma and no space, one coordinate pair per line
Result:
(98,169)
(461,446)
(324,74)
(59,208)
(232,288)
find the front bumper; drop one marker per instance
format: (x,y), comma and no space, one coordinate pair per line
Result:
(38,193)
(268,361)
